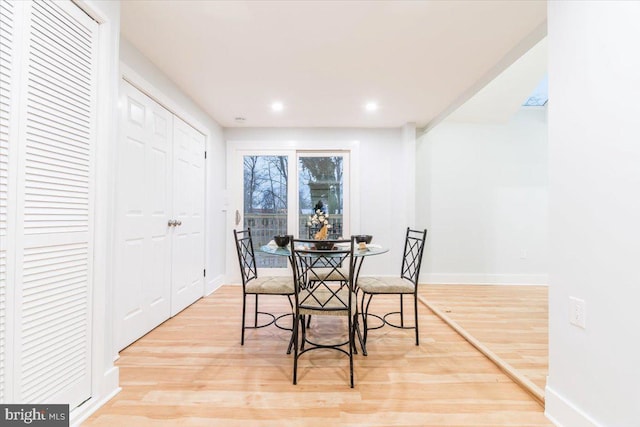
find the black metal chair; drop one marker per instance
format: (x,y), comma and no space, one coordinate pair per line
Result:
(254,285)
(406,284)
(327,294)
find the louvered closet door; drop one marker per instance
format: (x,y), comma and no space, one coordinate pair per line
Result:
(143,242)
(55,206)
(7,26)
(187,278)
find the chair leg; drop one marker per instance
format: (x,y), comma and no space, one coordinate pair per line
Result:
(291,339)
(244,309)
(355,332)
(401,312)
(351,347)
(295,348)
(365,314)
(364,320)
(304,331)
(415,311)
(255,319)
(293,324)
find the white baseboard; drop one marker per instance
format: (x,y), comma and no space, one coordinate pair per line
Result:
(213,284)
(110,387)
(483,279)
(563,413)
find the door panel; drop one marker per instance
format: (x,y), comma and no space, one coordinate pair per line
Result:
(321,186)
(265,197)
(143,264)
(54,206)
(187,278)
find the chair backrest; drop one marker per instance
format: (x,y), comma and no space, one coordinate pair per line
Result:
(322,291)
(412,258)
(246,256)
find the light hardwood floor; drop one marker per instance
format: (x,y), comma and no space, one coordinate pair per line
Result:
(512,321)
(192,371)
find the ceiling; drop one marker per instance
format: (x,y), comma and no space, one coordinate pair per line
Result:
(324,60)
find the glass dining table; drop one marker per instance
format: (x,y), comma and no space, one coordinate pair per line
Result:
(369,250)
(359,254)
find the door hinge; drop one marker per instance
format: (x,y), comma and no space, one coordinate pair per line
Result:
(205,154)
(205,272)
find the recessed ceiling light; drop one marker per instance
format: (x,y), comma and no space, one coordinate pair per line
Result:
(277,106)
(240,119)
(371,106)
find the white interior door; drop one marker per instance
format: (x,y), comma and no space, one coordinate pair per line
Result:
(187,278)
(143,241)
(54,182)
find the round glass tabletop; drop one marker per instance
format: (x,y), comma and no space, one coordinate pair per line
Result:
(370,250)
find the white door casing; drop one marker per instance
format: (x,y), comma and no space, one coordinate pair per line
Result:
(187,278)
(143,242)
(7,36)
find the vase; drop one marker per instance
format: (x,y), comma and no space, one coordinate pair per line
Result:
(322,234)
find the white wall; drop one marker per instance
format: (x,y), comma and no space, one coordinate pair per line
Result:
(142,73)
(482,194)
(383,191)
(594,213)
(105,376)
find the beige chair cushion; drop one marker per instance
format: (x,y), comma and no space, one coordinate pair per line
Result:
(385,285)
(270,285)
(323,295)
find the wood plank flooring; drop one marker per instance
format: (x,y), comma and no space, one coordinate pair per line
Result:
(512,321)
(192,371)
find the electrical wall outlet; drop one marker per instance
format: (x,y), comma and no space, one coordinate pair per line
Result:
(577,312)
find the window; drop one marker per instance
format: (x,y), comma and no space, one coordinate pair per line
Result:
(320,187)
(272,203)
(540,95)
